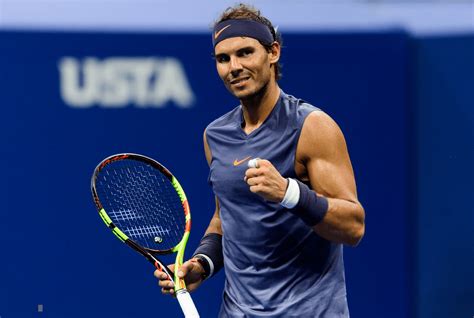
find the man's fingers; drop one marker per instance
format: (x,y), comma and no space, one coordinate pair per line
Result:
(160,275)
(251,172)
(167,291)
(167,286)
(187,267)
(255,189)
(165,283)
(255,181)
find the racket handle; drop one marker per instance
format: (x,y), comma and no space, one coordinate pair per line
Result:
(187,304)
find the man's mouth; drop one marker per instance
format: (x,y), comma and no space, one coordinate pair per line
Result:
(239,81)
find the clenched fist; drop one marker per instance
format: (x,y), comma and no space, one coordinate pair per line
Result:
(265,180)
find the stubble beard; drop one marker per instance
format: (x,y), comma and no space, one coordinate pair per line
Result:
(253,96)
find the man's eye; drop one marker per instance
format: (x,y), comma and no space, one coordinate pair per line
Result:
(245,53)
(222,59)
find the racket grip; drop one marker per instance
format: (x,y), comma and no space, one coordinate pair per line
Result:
(187,304)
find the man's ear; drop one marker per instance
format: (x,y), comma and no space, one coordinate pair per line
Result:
(274,53)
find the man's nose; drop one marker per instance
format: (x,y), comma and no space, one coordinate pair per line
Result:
(235,66)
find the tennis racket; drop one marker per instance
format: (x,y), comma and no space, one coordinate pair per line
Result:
(146,208)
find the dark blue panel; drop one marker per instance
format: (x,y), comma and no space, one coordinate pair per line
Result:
(445,156)
(64,257)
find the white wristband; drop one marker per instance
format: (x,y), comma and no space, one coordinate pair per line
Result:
(292,195)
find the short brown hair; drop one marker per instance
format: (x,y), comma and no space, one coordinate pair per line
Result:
(247,12)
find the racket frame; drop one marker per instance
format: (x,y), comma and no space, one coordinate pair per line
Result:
(147,252)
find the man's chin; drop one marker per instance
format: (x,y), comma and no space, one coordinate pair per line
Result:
(242,94)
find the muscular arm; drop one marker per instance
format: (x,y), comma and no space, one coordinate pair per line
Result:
(322,154)
(323,161)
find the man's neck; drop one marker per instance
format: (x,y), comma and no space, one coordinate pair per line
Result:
(257,108)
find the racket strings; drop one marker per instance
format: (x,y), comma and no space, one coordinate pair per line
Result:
(143,203)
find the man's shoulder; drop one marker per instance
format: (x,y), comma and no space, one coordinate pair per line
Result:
(229,117)
(299,109)
(321,129)
(300,104)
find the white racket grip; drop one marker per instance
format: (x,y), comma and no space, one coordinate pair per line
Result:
(187,304)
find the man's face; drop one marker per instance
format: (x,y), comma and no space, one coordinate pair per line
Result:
(244,65)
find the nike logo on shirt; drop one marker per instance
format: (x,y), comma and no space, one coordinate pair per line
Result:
(238,162)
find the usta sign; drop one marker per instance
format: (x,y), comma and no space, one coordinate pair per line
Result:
(115,82)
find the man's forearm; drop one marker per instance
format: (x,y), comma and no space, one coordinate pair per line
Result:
(343,222)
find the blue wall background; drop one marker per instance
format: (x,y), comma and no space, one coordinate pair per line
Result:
(377,86)
(444,111)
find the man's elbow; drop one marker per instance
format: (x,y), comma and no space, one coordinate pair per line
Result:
(356,236)
(358,229)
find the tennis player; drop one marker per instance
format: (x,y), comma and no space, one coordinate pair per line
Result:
(286,199)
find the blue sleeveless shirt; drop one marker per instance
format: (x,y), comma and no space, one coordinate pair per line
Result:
(276,266)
